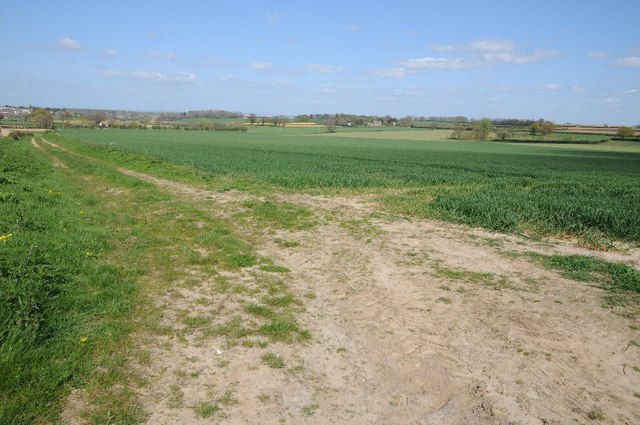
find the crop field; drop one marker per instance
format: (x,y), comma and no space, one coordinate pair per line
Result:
(289,275)
(592,193)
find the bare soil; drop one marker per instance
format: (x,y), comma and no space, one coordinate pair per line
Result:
(397,341)
(412,322)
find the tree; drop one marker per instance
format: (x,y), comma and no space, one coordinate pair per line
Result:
(534,128)
(98,116)
(457,134)
(547,127)
(252,118)
(625,132)
(42,118)
(481,128)
(331,125)
(503,134)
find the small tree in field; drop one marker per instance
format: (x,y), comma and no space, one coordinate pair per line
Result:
(252,118)
(534,128)
(331,125)
(547,127)
(481,128)
(625,132)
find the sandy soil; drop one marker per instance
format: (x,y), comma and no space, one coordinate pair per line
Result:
(413,322)
(395,341)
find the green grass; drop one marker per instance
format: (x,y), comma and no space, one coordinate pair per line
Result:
(615,277)
(508,187)
(273,360)
(63,304)
(279,215)
(206,409)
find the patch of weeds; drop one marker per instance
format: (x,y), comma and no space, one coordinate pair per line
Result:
(283,301)
(260,310)
(310,409)
(523,351)
(286,243)
(362,228)
(636,395)
(596,414)
(206,409)
(611,276)
(634,327)
(280,215)
(444,288)
(264,398)
(234,328)
(445,300)
(273,360)
(310,295)
(222,284)
(274,269)
(241,260)
(285,329)
(193,323)
(228,399)
(636,368)
(275,287)
(176,397)
(341,350)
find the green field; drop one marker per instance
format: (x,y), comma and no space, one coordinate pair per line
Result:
(589,192)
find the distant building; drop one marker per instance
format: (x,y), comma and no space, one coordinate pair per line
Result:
(375,123)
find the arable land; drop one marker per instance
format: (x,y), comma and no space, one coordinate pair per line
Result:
(288,275)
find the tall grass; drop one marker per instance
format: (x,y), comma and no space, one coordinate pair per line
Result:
(59,303)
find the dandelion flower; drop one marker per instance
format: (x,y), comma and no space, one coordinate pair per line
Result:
(5,238)
(84,339)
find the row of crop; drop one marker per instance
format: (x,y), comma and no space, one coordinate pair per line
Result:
(492,185)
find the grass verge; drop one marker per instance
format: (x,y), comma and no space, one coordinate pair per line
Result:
(63,304)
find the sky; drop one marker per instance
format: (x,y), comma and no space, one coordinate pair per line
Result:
(562,60)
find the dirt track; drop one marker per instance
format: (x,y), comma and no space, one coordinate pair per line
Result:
(413,321)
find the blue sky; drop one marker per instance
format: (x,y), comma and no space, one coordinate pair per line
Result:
(563,60)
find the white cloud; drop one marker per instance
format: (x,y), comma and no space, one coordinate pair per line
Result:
(437,63)
(109,52)
(610,101)
(578,89)
(396,73)
(481,53)
(492,46)
(632,61)
(154,53)
(352,27)
(69,44)
(597,54)
(631,91)
(261,66)
(157,77)
(226,77)
(324,69)
(552,86)
(171,56)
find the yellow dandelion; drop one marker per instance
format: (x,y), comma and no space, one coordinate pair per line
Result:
(81,212)
(84,339)
(5,238)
